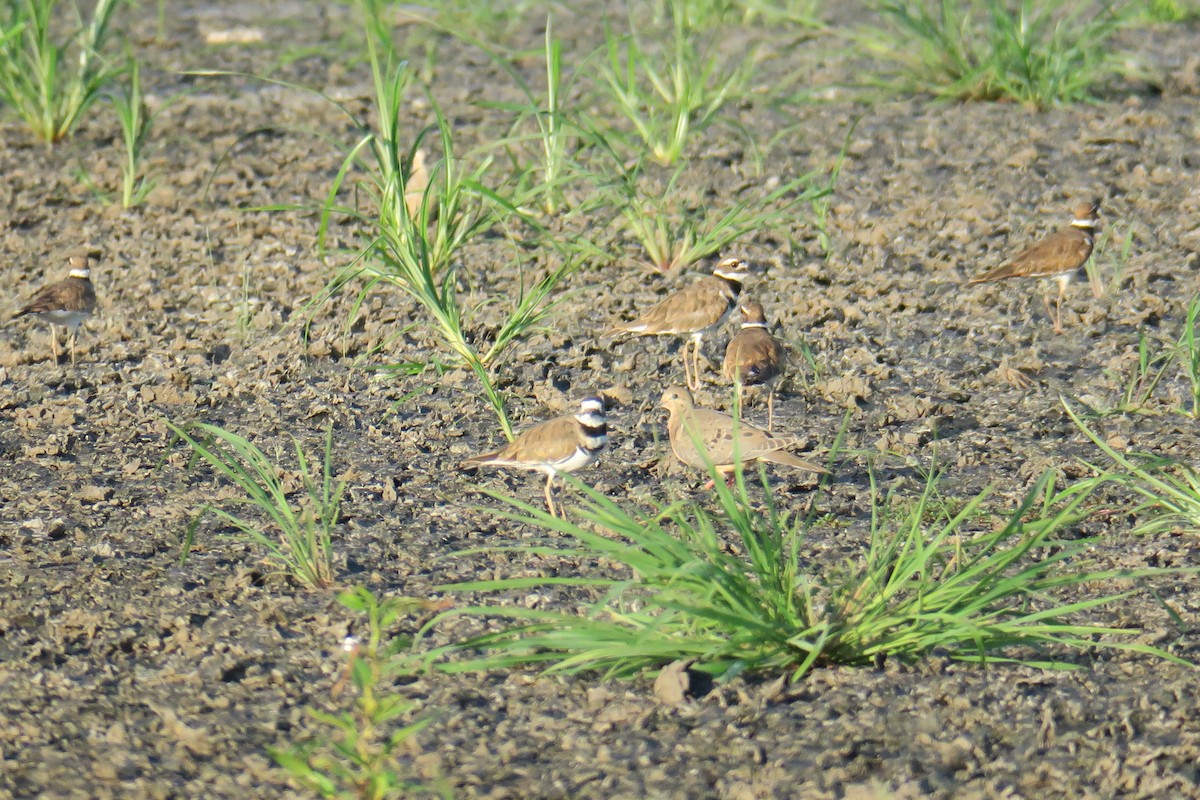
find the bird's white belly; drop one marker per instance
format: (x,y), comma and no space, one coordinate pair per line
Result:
(68,319)
(577,460)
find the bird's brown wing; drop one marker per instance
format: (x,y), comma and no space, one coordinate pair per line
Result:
(1064,251)
(548,442)
(68,295)
(47,299)
(715,432)
(699,436)
(682,444)
(699,306)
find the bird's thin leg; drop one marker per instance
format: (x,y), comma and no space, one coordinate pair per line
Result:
(54,343)
(687,364)
(74,333)
(696,361)
(550,494)
(693,382)
(1062,291)
(1050,311)
(770,411)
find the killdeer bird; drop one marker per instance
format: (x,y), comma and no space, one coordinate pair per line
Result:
(754,357)
(563,444)
(700,436)
(693,312)
(67,303)
(1058,256)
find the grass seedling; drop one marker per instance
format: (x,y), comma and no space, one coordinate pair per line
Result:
(160,22)
(1152,366)
(477,20)
(1189,353)
(1118,258)
(302,544)
(418,231)
(130,106)
(245,315)
(406,255)
(668,98)
(378,22)
(734,590)
(358,753)
(51,82)
(543,159)
(714,14)
(676,230)
(553,131)
(821,201)
(1170,488)
(1170,10)
(804,355)
(556,136)
(414,220)
(1037,53)
(1153,361)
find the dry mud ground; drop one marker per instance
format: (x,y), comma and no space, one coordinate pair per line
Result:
(124,674)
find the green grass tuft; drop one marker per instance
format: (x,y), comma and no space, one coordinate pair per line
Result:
(1037,52)
(716,14)
(676,229)
(669,96)
(303,543)
(735,590)
(136,122)
(1152,371)
(1170,10)
(1169,488)
(51,82)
